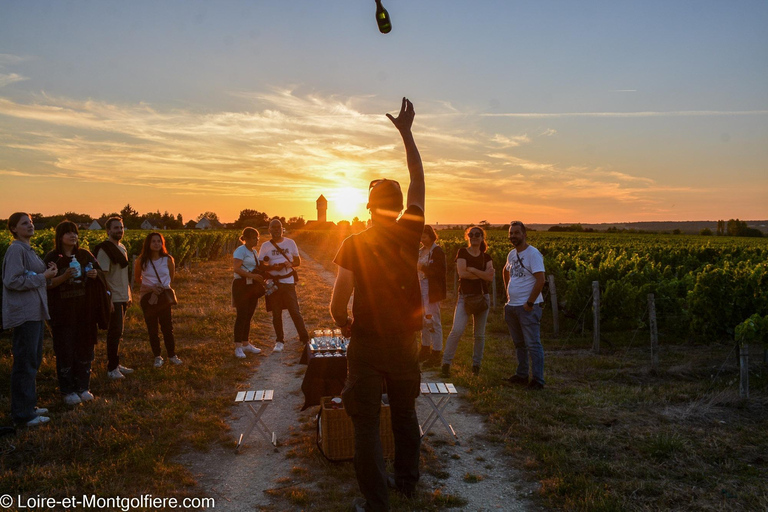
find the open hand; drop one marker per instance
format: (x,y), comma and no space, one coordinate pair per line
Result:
(404,119)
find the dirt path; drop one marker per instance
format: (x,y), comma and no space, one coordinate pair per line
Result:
(477,471)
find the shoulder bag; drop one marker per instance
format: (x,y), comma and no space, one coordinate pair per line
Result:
(168,297)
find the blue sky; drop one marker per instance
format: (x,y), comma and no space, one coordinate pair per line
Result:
(544,111)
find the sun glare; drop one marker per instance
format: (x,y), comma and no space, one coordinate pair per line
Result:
(348,202)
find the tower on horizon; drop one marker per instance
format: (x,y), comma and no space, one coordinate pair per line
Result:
(322,208)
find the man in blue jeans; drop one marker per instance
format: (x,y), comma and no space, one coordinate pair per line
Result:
(379,265)
(524,280)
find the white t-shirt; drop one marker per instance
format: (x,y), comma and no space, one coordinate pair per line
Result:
(521,280)
(270,255)
(248,256)
(148,276)
(118,278)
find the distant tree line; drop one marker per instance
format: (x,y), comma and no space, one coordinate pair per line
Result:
(132,219)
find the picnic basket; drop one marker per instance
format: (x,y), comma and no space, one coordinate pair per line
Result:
(336,435)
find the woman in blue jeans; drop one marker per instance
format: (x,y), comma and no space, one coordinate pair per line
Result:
(475,270)
(25,309)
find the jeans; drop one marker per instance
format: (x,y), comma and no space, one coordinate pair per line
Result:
(73,357)
(524,327)
(432,330)
(288,300)
(245,307)
(163,316)
(371,364)
(460,320)
(27,357)
(115,334)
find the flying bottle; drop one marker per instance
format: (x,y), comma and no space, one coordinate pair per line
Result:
(382,18)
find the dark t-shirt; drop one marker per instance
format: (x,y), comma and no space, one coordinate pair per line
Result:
(473,286)
(66,302)
(383,259)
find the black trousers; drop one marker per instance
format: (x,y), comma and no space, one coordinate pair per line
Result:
(115,334)
(372,363)
(287,299)
(245,307)
(163,317)
(73,347)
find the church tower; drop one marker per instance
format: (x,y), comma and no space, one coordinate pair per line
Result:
(322,206)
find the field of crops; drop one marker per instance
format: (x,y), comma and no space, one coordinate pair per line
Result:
(704,287)
(184,245)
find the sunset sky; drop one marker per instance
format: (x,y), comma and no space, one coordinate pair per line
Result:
(547,111)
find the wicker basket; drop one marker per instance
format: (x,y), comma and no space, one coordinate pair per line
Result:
(336,435)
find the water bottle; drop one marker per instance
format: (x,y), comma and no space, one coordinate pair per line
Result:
(78,269)
(88,267)
(269,286)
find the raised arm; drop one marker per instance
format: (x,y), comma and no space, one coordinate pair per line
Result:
(403,123)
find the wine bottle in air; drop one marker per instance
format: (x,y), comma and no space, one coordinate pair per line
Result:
(382,18)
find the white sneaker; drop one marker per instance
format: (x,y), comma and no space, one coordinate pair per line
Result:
(124,369)
(159,361)
(278,347)
(38,420)
(39,411)
(250,348)
(115,374)
(239,353)
(72,399)
(175,360)
(86,396)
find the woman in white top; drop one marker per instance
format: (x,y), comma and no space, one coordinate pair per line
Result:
(247,287)
(154,271)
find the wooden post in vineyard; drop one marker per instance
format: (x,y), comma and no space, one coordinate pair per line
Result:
(654,333)
(555,310)
(744,370)
(493,292)
(596,316)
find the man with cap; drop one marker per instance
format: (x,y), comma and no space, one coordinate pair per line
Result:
(380,266)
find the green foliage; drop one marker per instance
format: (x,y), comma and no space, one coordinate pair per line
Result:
(753,330)
(703,286)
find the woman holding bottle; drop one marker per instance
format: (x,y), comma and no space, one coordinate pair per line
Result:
(154,271)
(73,322)
(475,269)
(25,310)
(248,279)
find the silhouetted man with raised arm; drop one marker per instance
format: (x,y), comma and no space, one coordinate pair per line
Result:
(379,264)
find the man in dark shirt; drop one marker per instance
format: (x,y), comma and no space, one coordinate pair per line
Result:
(379,264)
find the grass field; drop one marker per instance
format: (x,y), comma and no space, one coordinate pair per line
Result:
(606,434)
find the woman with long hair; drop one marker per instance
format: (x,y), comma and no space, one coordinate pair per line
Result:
(432,280)
(73,322)
(247,281)
(475,270)
(25,310)
(154,271)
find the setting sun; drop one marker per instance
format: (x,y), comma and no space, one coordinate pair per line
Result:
(346,203)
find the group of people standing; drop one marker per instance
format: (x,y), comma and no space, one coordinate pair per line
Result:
(271,272)
(77,292)
(395,269)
